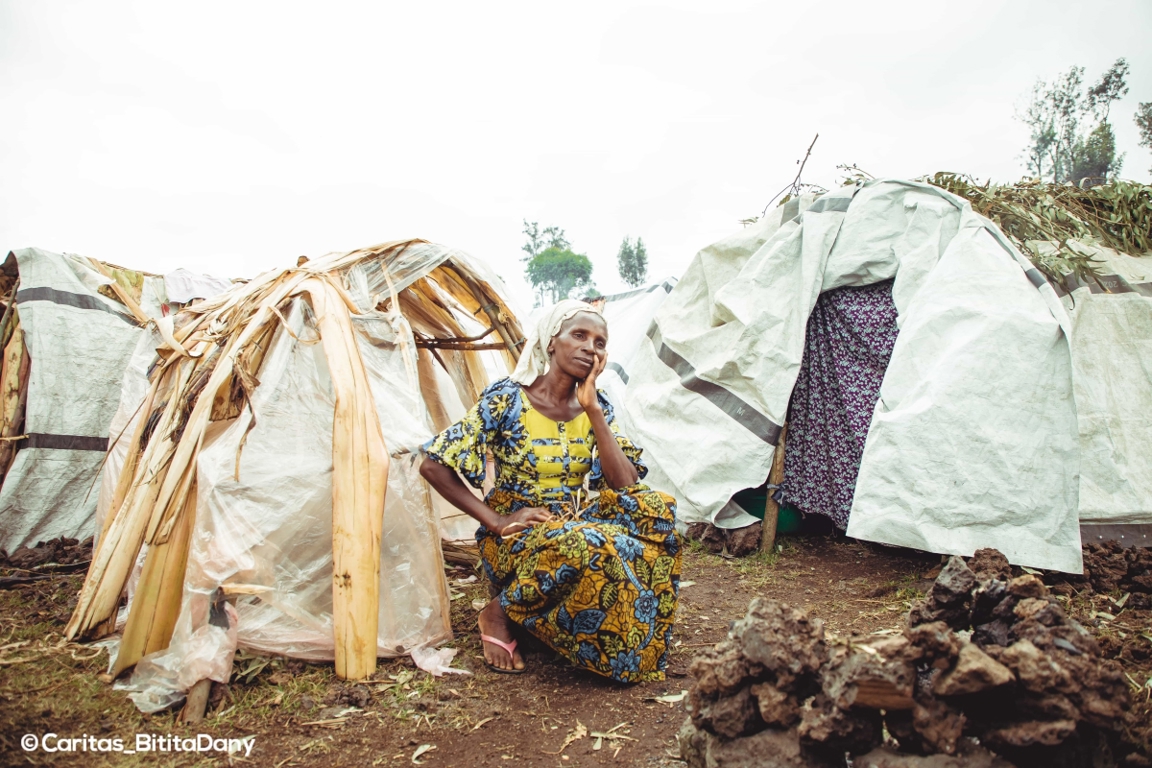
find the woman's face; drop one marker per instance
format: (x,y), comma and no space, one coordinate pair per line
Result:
(581,339)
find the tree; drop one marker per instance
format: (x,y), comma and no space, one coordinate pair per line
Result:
(1039,118)
(1096,156)
(632,262)
(1144,123)
(556,273)
(539,240)
(1058,116)
(1110,88)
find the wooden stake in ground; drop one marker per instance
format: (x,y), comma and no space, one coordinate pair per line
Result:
(771,508)
(197,702)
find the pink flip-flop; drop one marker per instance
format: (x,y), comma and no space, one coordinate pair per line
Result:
(510,648)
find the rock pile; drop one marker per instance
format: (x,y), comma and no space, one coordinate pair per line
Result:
(985,658)
(738,542)
(1108,567)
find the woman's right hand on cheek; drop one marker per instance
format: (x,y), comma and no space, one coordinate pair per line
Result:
(522,520)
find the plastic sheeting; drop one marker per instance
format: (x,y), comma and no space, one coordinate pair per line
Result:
(629,315)
(263,529)
(183,286)
(202,648)
(79,342)
(1112,376)
(265,535)
(974,441)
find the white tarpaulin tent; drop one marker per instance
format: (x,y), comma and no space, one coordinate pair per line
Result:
(1112,377)
(79,334)
(975,441)
(628,314)
(79,342)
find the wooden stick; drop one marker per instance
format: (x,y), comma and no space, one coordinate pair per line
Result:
(197,702)
(513,345)
(771,508)
(13,396)
(8,312)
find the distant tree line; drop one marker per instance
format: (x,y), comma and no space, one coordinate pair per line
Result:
(1071,138)
(557,272)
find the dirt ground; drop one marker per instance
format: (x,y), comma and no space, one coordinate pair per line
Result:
(298,714)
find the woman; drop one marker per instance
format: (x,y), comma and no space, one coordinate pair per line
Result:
(595,580)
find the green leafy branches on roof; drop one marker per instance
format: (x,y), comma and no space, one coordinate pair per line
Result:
(1117,215)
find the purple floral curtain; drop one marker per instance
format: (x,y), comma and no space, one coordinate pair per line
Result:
(846,350)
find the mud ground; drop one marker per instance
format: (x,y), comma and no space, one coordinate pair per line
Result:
(299,714)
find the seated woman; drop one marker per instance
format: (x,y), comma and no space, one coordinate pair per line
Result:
(595,580)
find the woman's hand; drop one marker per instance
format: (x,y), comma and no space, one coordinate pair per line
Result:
(521,520)
(586,389)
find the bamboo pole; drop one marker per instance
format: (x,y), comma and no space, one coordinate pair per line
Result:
(116,551)
(128,471)
(158,598)
(359,482)
(771,508)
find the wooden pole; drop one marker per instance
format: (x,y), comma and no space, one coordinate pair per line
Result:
(771,508)
(514,346)
(8,311)
(197,702)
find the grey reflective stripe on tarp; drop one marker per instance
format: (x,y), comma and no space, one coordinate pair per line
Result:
(66,442)
(68,299)
(1035,277)
(1107,284)
(830,205)
(619,371)
(791,210)
(747,416)
(667,286)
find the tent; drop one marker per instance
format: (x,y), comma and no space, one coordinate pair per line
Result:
(270,457)
(70,325)
(67,336)
(628,314)
(1006,417)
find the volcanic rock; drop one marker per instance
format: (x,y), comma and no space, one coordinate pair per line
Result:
(971,757)
(975,671)
(988,564)
(767,749)
(1031,733)
(939,725)
(782,640)
(777,708)
(729,716)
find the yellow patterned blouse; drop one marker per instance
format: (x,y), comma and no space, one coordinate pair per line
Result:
(539,461)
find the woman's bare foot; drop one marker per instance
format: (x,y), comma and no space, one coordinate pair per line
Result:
(494,623)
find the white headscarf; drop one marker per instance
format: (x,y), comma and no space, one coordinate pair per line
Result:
(534,359)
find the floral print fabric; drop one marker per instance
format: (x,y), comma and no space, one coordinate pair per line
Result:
(499,423)
(849,342)
(600,589)
(599,584)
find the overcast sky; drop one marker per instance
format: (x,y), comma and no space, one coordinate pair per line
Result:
(230,138)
